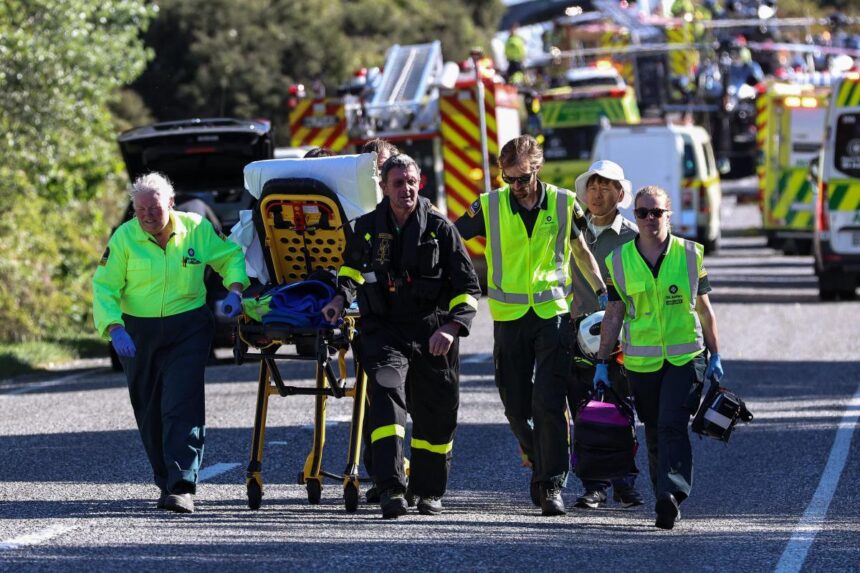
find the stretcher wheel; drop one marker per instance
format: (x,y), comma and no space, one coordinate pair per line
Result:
(255,495)
(350,497)
(314,491)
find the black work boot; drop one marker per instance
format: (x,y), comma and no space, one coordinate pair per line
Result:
(393,503)
(179,502)
(430,505)
(591,499)
(372,495)
(550,500)
(667,511)
(161,500)
(534,490)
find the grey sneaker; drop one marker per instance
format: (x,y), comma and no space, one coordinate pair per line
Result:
(179,502)
(591,500)
(627,496)
(393,503)
(430,505)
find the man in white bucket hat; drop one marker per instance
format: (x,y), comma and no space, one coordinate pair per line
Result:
(602,190)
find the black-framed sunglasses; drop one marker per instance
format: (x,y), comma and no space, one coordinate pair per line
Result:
(522,179)
(642,212)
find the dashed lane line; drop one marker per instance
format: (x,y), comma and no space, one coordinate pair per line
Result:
(813,518)
(210,472)
(52,531)
(49,383)
(36,537)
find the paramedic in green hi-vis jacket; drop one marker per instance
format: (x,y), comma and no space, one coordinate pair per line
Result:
(658,295)
(532,238)
(149,298)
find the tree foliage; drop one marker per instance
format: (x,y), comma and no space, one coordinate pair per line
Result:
(61,65)
(220,57)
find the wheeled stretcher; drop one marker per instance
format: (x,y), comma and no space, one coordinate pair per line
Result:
(303,228)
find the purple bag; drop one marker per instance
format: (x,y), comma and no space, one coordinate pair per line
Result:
(604,439)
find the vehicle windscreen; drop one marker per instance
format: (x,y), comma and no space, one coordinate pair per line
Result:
(688,164)
(606,82)
(846,153)
(196,162)
(569,143)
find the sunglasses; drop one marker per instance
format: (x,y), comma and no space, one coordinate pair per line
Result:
(522,179)
(642,212)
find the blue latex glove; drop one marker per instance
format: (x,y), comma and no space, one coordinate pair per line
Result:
(601,376)
(602,300)
(122,342)
(232,305)
(715,368)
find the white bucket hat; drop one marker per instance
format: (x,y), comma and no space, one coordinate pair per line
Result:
(608,170)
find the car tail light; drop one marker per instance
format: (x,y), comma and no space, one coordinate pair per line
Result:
(821,210)
(687,199)
(703,199)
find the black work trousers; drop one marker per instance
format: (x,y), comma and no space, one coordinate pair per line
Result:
(401,372)
(665,400)
(532,365)
(165,383)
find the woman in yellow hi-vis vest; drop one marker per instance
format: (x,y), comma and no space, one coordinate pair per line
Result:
(658,295)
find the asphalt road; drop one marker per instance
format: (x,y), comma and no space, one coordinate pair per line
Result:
(75,491)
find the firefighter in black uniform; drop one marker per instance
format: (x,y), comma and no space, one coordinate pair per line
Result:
(417,293)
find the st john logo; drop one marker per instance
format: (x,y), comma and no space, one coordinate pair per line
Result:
(673,297)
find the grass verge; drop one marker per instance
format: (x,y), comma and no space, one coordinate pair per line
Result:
(26,357)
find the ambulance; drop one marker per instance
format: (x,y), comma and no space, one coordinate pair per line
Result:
(790,127)
(571,118)
(836,239)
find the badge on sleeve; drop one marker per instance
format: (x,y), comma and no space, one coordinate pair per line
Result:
(474,208)
(104,258)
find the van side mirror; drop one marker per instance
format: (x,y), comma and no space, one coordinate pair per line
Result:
(812,170)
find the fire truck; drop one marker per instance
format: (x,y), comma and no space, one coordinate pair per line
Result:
(790,121)
(452,122)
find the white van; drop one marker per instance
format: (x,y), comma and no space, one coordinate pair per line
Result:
(677,157)
(837,203)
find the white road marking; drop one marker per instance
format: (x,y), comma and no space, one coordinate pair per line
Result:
(36,537)
(49,383)
(813,518)
(210,472)
(479,358)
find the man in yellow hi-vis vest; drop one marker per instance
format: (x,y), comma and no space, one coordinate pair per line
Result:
(532,235)
(150,299)
(658,293)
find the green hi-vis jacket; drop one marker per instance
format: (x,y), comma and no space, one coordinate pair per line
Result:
(661,321)
(138,278)
(528,272)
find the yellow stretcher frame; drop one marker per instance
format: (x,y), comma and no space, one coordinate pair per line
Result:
(303,228)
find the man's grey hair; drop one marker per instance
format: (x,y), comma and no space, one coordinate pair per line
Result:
(153,181)
(401,161)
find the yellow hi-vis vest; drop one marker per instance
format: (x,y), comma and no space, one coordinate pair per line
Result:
(661,321)
(528,272)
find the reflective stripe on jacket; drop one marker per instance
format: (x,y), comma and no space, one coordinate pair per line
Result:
(661,321)
(528,272)
(139,278)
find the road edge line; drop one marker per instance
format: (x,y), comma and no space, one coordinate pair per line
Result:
(807,528)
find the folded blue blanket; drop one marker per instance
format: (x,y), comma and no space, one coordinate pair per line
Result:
(299,304)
